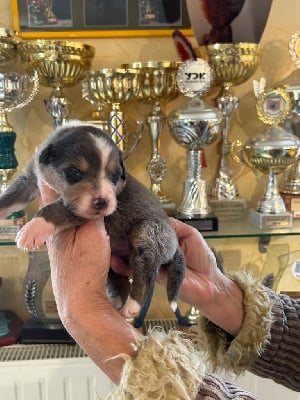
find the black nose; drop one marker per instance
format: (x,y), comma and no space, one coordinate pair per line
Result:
(100,203)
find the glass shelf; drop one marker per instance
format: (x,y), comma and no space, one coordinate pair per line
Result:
(231,229)
(244,228)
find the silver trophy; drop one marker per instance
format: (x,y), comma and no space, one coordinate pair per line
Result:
(289,186)
(272,153)
(194,126)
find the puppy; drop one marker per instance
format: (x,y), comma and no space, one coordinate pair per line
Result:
(84,166)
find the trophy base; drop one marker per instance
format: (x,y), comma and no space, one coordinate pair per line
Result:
(271,221)
(292,203)
(50,331)
(9,227)
(203,223)
(228,210)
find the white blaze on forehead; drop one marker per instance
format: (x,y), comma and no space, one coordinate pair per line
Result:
(105,151)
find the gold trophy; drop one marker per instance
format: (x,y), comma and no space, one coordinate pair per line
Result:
(233,64)
(272,153)
(16,91)
(194,126)
(9,40)
(157,85)
(59,64)
(289,186)
(112,87)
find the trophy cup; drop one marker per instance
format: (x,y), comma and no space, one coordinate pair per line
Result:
(9,40)
(233,64)
(194,126)
(59,64)
(289,186)
(111,88)
(272,153)
(157,85)
(16,91)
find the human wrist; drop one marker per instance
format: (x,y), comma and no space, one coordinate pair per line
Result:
(226,308)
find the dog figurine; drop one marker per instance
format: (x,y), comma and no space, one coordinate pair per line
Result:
(85,167)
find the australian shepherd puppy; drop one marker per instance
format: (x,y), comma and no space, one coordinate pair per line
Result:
(85,167)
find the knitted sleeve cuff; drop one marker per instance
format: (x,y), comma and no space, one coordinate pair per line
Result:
(166,367)
(226,353)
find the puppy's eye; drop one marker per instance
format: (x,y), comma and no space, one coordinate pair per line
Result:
(115,176)
(73,174)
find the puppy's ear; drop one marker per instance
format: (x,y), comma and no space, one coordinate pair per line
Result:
(123,173)
(46,156)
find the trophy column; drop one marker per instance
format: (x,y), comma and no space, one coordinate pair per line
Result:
(232,64)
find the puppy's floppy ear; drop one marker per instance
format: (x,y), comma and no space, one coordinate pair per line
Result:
(46,156)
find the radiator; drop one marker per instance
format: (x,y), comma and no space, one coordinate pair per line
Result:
(64,372)
(50,372)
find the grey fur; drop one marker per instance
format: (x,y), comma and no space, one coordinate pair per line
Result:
(138,226)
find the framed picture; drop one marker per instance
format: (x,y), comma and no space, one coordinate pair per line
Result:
(99,18)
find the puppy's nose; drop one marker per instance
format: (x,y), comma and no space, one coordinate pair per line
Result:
(100,203)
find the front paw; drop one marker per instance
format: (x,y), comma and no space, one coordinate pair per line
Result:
(34,234)
(131,308)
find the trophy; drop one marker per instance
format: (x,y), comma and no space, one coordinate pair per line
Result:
(111,88)
(59,64)
(9,40)
(232,64)
(272,153)
(194,126)
(16,91)
(157,85)
(289,186)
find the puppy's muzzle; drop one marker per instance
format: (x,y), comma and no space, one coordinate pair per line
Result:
(100,203)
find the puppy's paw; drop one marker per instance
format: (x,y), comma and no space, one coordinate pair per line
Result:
(131,308)
(34,234)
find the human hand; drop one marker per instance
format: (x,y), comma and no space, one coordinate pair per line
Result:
(205,286)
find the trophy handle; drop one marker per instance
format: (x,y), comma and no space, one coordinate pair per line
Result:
(26,98)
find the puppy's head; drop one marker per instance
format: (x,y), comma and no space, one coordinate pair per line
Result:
(85,167)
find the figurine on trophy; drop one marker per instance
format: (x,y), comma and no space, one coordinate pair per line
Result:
(272,153)
(232,64)
(157,85)
(110,88)
(16,91)
(40,12)
(194,126)
(59,64)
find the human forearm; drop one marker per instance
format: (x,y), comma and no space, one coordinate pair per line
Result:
(101,332)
